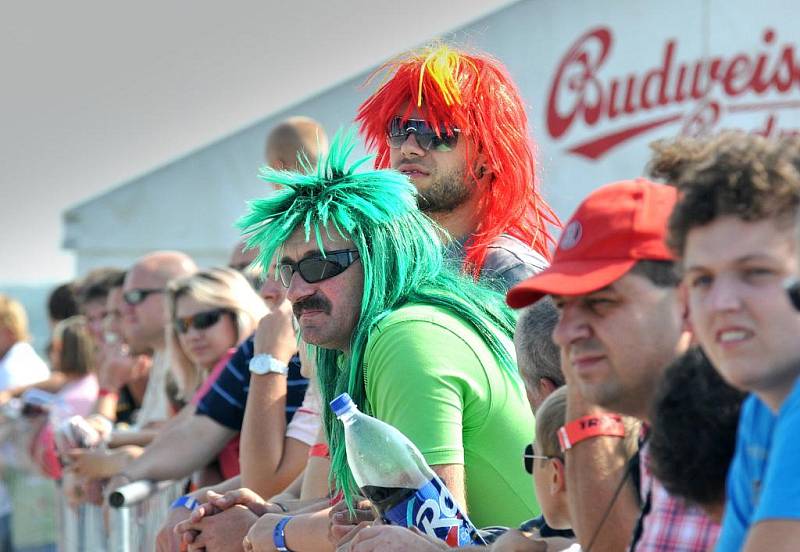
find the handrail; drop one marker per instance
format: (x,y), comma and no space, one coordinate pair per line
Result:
(136,492)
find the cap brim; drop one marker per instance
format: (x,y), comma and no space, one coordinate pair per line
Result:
(568,278)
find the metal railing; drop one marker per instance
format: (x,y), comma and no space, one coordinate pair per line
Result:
(137,512)
(129,523)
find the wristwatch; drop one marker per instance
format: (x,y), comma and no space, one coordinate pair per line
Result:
(267,364)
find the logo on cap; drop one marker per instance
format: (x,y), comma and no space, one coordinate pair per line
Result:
(572,235)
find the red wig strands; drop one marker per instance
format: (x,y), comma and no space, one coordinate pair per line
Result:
(475,94)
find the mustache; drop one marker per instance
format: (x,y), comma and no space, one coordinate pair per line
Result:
(313,302)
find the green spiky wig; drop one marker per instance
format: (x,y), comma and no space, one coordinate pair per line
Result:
(402,258)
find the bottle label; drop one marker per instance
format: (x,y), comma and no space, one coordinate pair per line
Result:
(432,510)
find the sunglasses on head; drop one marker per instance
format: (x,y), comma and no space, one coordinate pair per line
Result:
(317,267)
(136,296)
(428,138)
(528,457)
(792,287)
(199,321)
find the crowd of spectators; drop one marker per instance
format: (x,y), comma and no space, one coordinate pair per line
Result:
(641,396)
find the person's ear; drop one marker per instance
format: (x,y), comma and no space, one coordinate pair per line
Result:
(558,483)
(483,172)
(545,386)
(683,304)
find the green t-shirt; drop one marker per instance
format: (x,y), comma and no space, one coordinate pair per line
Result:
(430,375)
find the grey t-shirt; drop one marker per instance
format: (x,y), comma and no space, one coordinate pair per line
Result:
(508,261)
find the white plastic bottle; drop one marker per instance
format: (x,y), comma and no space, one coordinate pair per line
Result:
(392,473)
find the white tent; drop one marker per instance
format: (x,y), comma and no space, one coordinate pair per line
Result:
(602,79)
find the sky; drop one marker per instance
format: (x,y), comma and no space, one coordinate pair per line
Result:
(95,93)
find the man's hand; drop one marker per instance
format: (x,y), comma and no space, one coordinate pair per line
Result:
(234,512)
(117,367)
(518,541)
(221,532)
(275,334)
(99,463)
(242,497)
(391,538)
(342,522)
(260,536)
(167,540)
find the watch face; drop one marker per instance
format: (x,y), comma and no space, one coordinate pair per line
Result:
(264,364)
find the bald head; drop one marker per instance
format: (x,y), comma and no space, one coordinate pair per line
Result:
(292,136)
(241,258)
(163,266)
(145,315)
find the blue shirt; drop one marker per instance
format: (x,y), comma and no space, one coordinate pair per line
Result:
(747,475)
(225,400)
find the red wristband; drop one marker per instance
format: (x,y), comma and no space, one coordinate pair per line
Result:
(572,433)
(105,392)
(320,449)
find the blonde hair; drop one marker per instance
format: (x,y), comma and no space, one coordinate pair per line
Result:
(552,414)
(13,317)
(219,288)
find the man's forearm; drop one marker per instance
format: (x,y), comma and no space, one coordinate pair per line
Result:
(180,449)
(452,475)
(266,464)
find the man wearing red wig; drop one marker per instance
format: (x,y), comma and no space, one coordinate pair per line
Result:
(455,123)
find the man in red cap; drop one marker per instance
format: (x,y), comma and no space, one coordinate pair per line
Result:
(620,324)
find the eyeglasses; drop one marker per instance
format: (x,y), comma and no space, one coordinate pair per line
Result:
(200,321)
(136,296)
(792,287)
(528,457)
(428,138)
(316,268)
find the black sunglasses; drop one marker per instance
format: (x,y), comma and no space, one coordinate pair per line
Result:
(428,138)
(317,267)
(199,321)
(528,457)
(136,296)
(792,287)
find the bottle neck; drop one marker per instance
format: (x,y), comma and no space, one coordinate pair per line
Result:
(349,416)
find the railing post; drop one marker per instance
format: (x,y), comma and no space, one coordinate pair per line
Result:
(120,540)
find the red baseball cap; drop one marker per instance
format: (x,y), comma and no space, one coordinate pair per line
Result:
(616,226)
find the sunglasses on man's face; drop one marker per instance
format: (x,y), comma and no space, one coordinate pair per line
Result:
(317,268)
(528,457)
(199,321)
(428,138)
(135,296)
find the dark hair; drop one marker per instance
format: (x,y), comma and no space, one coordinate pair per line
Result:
(693,432)
(96,285)
(118,280)
(660,273)
(62,302)
(733,173)
(77,347)
(538,356)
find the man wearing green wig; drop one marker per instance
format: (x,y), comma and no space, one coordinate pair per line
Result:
(414,343)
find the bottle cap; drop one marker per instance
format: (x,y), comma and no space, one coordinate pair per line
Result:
(342,404)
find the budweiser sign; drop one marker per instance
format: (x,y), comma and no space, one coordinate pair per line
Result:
(695,95)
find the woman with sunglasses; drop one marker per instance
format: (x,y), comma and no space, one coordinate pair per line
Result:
(211,313)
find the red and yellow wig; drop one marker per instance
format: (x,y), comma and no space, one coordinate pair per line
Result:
(475,94)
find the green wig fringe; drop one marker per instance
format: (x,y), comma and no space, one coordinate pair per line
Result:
(402,257)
